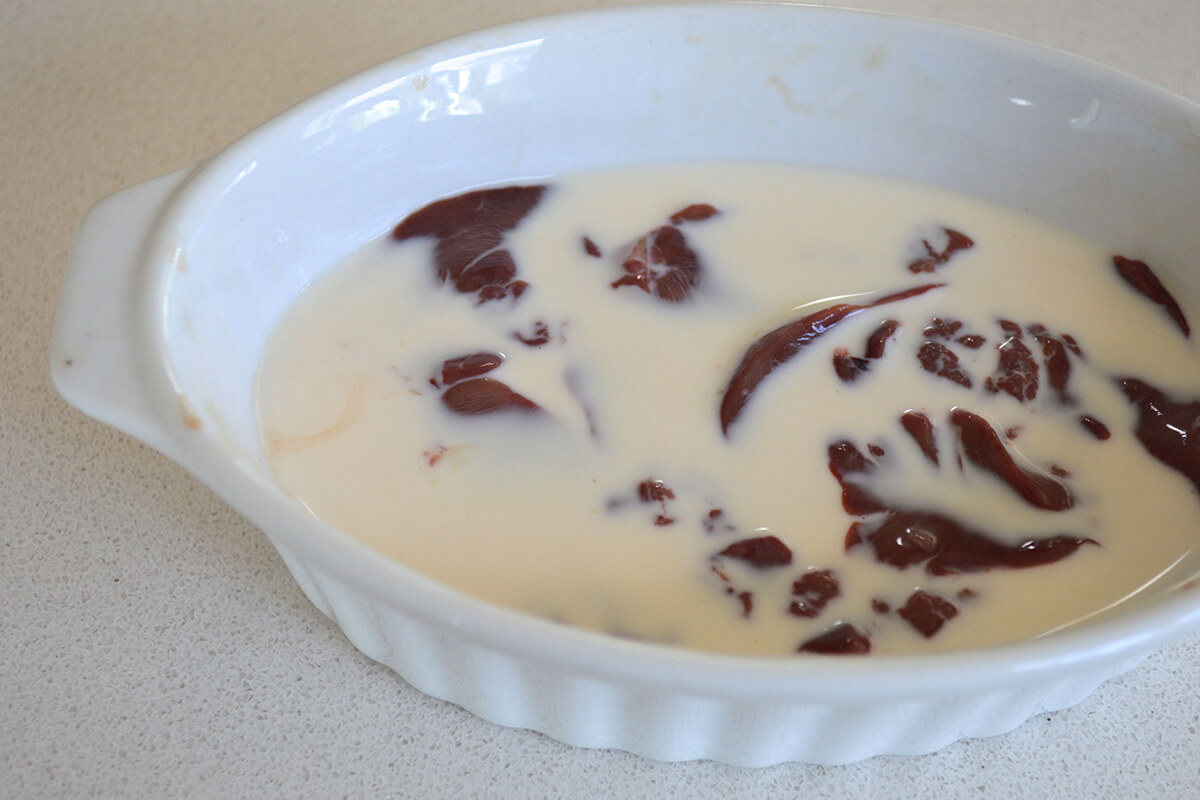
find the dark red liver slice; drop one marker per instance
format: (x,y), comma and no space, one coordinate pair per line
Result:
(935,357)
(903,536)
(812,591)
(955,241)
(785,342)
(469,229)
(849,367)
(760,551)
(696,212)
(1169,429)
(841,640)
(920,428)
(469,366)
(485,396)
(927,612)
(984,448)
(1139,275)
(1017,372)
(662,264)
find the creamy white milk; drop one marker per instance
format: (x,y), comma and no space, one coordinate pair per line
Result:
(540,512)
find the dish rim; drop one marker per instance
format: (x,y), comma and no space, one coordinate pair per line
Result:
(584,652)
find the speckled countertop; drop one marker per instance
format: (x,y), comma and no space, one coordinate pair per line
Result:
(153,645)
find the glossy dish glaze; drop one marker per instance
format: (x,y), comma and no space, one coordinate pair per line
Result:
(174,286)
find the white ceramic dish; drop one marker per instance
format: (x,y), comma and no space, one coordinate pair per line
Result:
(174,285)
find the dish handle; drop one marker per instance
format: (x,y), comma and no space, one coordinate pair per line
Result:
(94,351)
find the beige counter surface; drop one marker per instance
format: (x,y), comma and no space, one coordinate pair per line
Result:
(151,642)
